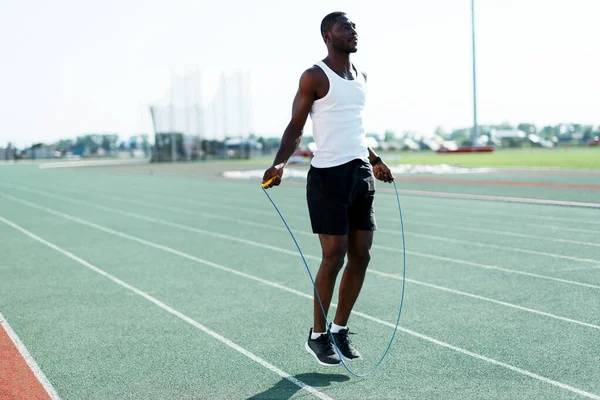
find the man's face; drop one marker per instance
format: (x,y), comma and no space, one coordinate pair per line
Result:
(344,38)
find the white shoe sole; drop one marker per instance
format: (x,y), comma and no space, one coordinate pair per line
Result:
(309,350)
(352,359)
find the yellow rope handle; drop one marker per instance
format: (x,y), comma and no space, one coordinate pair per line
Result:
(267,183)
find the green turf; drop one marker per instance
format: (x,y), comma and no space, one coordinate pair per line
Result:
(95,339)
(555,158)
(577,157)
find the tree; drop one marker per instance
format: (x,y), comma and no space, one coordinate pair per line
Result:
(527,128)
(548,131)
(109,141)
(440,131)
(460,133)
(93,141)
(588,132)
(64,145)
(145,143)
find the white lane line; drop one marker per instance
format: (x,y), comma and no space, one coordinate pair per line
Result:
(577,268)
(39,374)
(448,227)
(389,231)
(419,222)
(264,281)
(91,163)
(485,212)
(470,196)
(497,198)
(492,221)
(474,296)
(426,236)
(171,310)
(493,267)
(452,226)
(308,256)
(251,223)
(470,217)
(274,248)
(492,246)
(484,358)
(502,233)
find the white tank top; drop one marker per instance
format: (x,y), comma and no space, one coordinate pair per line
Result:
(337,121)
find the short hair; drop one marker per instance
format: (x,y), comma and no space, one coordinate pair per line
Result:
(329,21)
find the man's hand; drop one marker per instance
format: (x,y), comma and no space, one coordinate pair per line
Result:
(274,171)
(382,172)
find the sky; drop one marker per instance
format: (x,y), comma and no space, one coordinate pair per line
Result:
(70,67)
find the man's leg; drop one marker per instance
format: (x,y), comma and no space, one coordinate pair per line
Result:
(334,249)
(359,255)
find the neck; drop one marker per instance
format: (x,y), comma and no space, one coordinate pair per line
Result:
(339,61)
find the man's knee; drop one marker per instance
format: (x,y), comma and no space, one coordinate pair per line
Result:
(359,258)
(333,259)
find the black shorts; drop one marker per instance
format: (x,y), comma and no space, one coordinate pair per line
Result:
(340,198)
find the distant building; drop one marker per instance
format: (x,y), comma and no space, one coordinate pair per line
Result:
(508,137)
(508,134)
(243,148)
(40,151)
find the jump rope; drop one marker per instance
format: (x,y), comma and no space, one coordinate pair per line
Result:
(264,186)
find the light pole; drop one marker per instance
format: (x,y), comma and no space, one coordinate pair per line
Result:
(474,134)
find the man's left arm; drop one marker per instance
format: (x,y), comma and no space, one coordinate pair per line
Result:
(380,170)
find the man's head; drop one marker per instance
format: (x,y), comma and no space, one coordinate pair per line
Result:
(339,33)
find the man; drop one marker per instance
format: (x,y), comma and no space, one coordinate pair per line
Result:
(340,187)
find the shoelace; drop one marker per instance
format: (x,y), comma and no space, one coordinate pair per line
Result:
(342,338)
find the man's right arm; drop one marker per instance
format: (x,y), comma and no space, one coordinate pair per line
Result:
(303,101)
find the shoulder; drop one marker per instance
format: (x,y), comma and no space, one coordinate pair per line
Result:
(313,77)
(314,73)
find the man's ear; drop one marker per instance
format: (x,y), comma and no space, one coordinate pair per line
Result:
(327,37)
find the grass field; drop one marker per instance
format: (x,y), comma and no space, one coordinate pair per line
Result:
(171,282)
(579,158)
(587,158)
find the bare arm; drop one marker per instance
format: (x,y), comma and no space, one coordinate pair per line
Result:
(303,101)
(380,170)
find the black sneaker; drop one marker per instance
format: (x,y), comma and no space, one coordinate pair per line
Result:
(323,350)
(345,345)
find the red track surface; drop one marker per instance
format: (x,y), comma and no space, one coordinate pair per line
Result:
(17,381)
